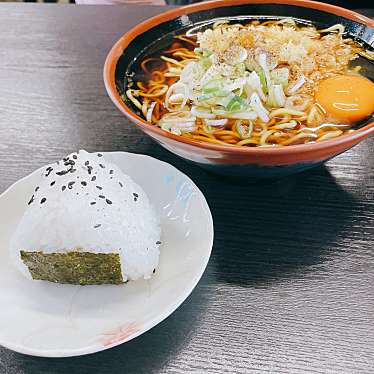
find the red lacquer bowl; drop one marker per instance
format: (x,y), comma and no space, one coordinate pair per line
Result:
(233,161)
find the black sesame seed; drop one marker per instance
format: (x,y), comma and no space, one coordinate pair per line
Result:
(70,162)
(62,172)
(70,185)
(93,178)
(158,242)
(75,157)
(63,188)
(99,188)
(43,200)
(111,171)
(83,183)
(31,200)
(135,194)
(102,196)
(102,166)
(154,271)
(49,171)
(97,226)
(86,163)
(99,155)
(72,170)
(65,159)
(52,183)
(89,169)
(36,189)
(108,201)
(120,184)
(92,202)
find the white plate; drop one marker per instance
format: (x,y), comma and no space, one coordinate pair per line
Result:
(45,319)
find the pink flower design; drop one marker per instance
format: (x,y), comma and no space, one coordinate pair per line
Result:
(119,334)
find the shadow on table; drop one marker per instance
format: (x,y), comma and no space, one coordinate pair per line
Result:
(271,231)
(147,354)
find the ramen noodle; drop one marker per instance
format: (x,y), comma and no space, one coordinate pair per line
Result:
(268,84)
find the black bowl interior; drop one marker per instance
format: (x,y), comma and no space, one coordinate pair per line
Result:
(160,36)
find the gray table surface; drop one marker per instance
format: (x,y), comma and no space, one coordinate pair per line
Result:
(290,285)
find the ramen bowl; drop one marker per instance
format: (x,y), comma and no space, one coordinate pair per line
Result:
(248,162)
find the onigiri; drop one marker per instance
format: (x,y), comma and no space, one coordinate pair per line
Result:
(87,223)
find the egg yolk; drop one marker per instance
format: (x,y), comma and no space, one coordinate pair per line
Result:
(348,98)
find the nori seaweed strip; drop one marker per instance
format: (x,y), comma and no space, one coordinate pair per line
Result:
(76,267)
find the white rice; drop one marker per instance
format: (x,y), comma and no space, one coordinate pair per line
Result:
(103,211)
